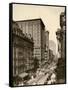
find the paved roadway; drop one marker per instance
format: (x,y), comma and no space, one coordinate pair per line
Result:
(42,77)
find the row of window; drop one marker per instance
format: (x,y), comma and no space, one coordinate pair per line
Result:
(21,57)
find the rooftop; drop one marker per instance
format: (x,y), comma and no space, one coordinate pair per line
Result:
(31,20)
(62,14)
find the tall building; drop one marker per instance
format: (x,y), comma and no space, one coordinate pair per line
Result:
(51,56)
(63,28)
(61,49)
(35,28)
(46,46)
(22,51)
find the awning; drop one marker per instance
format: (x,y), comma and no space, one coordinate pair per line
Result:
(22,75)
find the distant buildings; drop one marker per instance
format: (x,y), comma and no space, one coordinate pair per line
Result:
(22,51)
(36,29)
(61,48)
(52,46)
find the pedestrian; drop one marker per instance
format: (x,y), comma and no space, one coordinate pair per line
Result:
(53,78)
(49,82)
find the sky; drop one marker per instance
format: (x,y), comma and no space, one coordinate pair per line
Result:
(50,16)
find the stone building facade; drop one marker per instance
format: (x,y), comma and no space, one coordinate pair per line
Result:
(36,29)
(61,34)
(22,51)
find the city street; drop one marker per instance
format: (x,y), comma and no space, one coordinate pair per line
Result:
(44,76)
